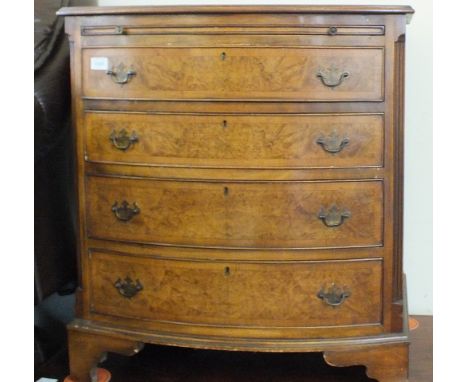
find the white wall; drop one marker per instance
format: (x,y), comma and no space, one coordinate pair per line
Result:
(418,149)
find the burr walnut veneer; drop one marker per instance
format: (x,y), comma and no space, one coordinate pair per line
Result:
(239,177)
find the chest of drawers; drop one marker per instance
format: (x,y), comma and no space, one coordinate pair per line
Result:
(239,181)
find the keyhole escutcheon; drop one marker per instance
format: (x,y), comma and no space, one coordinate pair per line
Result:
(227,271)
(226,191)
(223,56)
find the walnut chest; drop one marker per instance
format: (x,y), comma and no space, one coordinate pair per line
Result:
(239,180)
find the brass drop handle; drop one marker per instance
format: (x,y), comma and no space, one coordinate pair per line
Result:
(332,77)
(127,287)
(333,296)
(122,140)
(125,212)
(333,217)
(121,75)
(333,143)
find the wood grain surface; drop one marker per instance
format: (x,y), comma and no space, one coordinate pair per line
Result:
(239,9)
(235,293)
(226,214)
(237,141)
(238,73)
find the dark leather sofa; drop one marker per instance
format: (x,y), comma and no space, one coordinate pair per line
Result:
(54,200)
(53,203)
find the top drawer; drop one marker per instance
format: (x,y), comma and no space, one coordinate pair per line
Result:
(310,74)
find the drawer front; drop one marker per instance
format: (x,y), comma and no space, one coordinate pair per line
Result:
(304,294)
(243,214)
(268,141)
(301,74)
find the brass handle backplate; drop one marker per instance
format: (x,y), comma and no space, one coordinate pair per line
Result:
(334,296)
(332,77)
(122,140)
(333,217)
(121,75)
(127,287)
(333,143)
(125,212)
